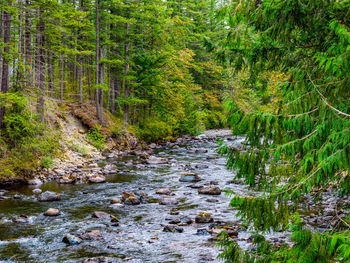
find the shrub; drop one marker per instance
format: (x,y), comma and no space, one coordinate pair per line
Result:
(96,138)
(46,162)
(154,130)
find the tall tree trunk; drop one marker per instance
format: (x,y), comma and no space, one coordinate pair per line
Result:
(50,73)
(112,91)
(28,46)
(20,66)
(126,82)
(62,77)
(97,70)
(1,57)
(89,78)
(42,66)
(5,66)
(80,78)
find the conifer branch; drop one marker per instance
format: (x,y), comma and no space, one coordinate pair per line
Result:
(325,100)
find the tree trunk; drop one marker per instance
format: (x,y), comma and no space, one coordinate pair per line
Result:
(20,65)
(97,70)
(5,67)
(50,73)
(1,31)
(126,82)
(112,91)
(62,78)
(41,67)
(28,48)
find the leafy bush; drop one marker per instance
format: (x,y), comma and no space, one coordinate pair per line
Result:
(46,162)
(154,130)
(96,138)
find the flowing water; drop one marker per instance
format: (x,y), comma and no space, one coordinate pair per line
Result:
(139,237)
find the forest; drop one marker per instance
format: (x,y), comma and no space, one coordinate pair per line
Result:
(84,79)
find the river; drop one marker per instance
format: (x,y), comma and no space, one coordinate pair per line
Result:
(139,235)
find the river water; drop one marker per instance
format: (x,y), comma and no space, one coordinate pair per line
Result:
(139,237)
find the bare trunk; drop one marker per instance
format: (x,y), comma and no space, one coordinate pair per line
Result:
(50,73)
(62,78)
(41,68)
(1,60)
(112,91)
(28,48)
(5,67)
(97,71)
(80,78)
(126,82)
(20,65)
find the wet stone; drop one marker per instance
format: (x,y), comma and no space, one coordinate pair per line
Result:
(209,190)
(21,219)
(168,201)
(37,191)
(71,239)
(203,218)
(49,197)
(173,229)
(116,201)
(92,235)
(52,212)
(97,179)
(163,191)
(35,182)
(100,214)
(202,232)
(189,177)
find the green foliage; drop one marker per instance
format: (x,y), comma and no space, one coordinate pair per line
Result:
(154,130)
(291,102)
(47,162)
(96,138)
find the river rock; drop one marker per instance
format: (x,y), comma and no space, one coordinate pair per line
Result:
(204,218)
(35,182)
(101,259)
(163,191)
(129,198)
(37,191)
(201,150)
(201,166)
(132,200)
(97,179)
(202,232)
(189,177)
(210,190)
(156,160)
(173,229)
(116,201)
(71,239)
(212,157)
(52,212)
(92,235)
(186,220)
(100,214)
(66,180)
(168,201)
(21,219)
(49,197)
